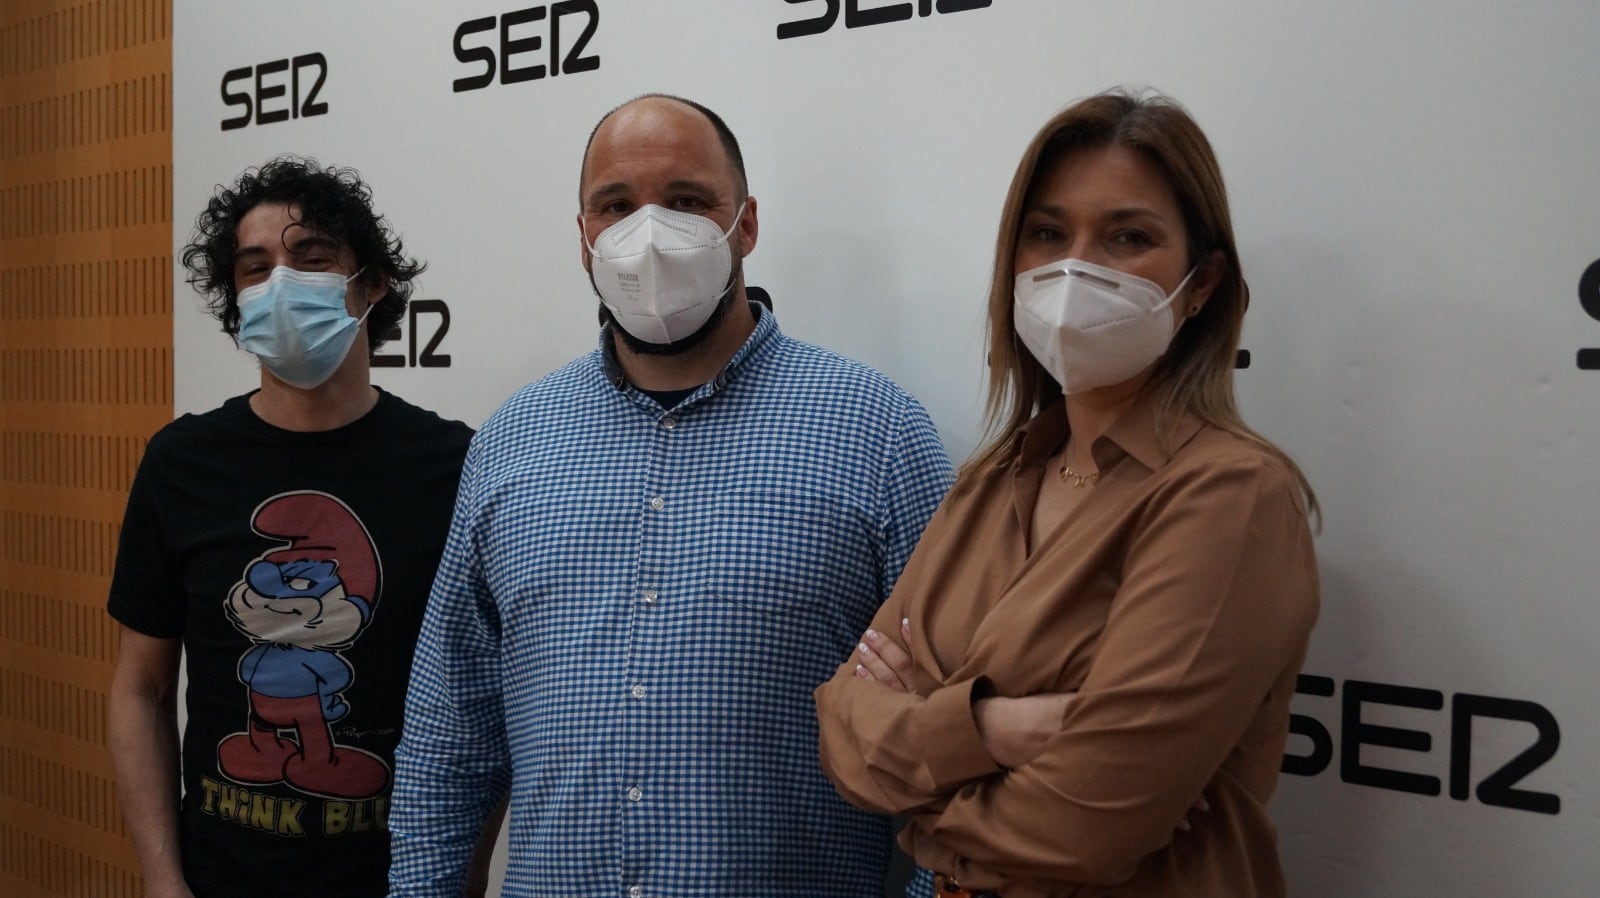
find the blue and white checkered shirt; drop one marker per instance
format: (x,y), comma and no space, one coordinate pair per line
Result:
(633,609)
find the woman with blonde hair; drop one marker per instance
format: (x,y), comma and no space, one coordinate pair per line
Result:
(1102,625)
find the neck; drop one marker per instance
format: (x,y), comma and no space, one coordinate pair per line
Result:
(689,369)
(346,396)
(1091,413)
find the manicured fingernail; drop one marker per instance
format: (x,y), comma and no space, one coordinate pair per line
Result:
(905,625)
(862,648)
(1183,825)
(1203,805)
(861,672)
(872,636)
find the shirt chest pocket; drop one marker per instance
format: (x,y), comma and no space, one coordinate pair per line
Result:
(780,552)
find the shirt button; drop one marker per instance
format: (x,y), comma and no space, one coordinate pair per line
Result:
(637,692)
(669,422)
(635,891)
(649,597)
(658,503)
(635,793)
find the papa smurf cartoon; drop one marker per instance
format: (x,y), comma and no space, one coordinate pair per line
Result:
(302,603)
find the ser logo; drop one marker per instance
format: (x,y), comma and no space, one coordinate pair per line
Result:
(269,86)
(857,17)
(429,356)
(1589,298)
(1356,730)
(525,45)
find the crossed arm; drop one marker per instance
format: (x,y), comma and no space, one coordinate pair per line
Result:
(1214,604)
(1013,730)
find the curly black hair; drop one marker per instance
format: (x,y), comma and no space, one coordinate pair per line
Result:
(332,200)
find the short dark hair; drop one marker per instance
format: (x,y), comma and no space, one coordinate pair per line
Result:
(730,144)
(332,200)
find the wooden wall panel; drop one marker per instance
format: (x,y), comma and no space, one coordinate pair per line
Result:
(85,378)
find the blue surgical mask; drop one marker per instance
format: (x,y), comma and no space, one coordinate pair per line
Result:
(295,322)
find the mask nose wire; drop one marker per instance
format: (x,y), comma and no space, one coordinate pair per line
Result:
(745,204)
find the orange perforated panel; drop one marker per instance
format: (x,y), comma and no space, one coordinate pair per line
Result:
(85,378)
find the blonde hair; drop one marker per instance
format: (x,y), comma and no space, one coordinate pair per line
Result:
(1195,377)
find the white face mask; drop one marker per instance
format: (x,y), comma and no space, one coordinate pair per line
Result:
(662,273)
(1092,326)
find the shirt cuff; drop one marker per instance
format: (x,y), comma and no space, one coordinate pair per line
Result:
(955,752)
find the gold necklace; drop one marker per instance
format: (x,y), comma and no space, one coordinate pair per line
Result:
(1079,480)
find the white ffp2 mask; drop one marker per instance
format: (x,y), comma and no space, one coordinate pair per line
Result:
(1092,326)
(662,273)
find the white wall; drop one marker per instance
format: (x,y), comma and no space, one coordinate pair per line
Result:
(1415,192)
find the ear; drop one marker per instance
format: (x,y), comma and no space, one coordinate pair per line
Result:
(380,289)
(367,292)
(749,228)
(1208,274)
(583,246)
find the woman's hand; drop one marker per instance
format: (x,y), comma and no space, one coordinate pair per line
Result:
(1014,730)
(881,660)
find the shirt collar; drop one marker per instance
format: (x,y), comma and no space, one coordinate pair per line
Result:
(1133,433)
(756,346)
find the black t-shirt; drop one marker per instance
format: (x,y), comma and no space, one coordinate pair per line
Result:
(295,567)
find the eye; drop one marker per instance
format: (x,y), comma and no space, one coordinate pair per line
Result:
(1041,232)
(1040,228)
(616,207)
(1132,237)
(688,203)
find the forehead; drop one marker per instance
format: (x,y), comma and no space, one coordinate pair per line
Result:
(1105,177)
(656,138)
(271,225)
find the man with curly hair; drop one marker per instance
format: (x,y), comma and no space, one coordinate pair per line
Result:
(283,545)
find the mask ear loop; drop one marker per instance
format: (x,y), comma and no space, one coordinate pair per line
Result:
(728,234)
(1179,289)
(586,244)
(370,305)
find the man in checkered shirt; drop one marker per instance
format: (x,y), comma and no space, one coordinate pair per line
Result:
(658,552)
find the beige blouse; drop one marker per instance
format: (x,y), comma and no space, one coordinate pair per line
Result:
(1176,601)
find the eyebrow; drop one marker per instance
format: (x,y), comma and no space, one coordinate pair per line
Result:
(679,185)
(312,241)
(691,186)
(1122,214)
(303,245)
(613,189)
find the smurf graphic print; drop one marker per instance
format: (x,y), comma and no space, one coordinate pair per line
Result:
(302,602)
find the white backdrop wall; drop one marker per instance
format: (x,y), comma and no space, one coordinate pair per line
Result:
(1415,191)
